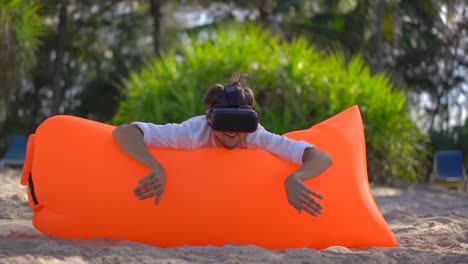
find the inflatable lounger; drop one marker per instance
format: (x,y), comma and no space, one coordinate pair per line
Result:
(80,185)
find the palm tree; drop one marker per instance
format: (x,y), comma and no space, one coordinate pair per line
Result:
(20,29)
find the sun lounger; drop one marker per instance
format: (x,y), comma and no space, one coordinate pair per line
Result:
(15,153)
(448,170)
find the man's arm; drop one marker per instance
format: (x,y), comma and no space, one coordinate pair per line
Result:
(300,196)
(130,140)
(315,162)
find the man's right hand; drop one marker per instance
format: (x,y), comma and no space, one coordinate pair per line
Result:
(130,140)
(151,185)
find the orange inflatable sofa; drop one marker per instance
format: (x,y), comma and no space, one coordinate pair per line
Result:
(80,185)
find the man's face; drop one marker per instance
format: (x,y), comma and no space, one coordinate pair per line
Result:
(228,140)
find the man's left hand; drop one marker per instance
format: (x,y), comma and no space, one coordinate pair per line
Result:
(301,197)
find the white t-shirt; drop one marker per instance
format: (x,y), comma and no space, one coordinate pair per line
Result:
(197,133)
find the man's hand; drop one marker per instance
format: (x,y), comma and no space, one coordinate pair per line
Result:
(151,185)
(301,197)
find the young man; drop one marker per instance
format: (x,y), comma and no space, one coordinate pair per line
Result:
(230,122)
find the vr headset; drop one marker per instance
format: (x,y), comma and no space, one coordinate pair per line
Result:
(233,117)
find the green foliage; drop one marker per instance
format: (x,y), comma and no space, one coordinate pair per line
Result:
(20,29)
(296,87)
(432,60)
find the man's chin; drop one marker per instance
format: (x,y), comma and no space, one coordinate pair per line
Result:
(230,146)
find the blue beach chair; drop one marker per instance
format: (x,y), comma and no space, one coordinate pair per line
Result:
(16,152)
(449,170)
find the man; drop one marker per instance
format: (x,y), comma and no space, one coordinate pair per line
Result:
(230,122)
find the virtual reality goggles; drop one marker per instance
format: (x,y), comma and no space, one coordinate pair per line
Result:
(233,117)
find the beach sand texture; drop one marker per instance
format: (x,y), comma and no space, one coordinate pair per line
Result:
(429,223)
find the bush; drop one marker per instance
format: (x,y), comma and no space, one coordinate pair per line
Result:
(296,87)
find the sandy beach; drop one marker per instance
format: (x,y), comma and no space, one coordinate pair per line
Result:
(430,225)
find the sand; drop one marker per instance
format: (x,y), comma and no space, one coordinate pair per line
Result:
(430,225)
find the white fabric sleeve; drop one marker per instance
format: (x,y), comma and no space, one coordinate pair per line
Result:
(289,149)
(166,136)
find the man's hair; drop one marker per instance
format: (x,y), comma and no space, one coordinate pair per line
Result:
(216,95)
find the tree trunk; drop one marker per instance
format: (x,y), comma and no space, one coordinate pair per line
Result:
(36,106)
(9,68)
(11,108)
(436,111)
(265,12)
(156,14)
(379,36)
(57,86)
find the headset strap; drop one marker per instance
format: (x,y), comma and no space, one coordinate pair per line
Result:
(231,95)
